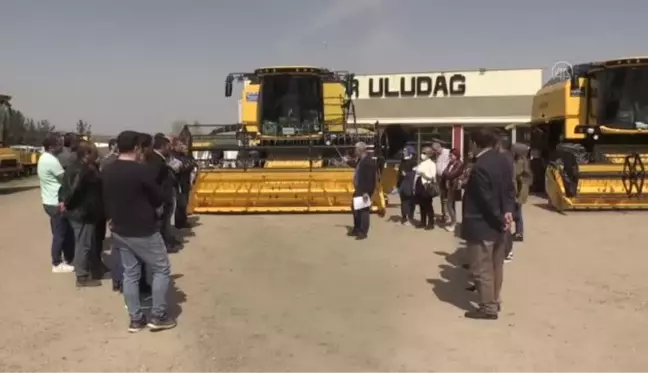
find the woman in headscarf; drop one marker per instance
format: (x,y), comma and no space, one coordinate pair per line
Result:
(405,184)
(426,187)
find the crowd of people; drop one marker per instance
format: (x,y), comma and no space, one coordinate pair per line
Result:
(493,185)
(135,190)
(144,182)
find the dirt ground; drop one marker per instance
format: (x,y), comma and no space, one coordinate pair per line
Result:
(292,293)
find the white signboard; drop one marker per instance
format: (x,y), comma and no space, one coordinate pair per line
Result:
(449,84)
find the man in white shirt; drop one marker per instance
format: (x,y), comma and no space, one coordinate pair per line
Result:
(50,173)
(442,160)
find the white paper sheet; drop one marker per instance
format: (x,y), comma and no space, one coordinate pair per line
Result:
(359,203)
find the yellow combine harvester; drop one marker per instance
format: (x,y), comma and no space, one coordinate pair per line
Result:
(590,136)
(9,159)
(289,151)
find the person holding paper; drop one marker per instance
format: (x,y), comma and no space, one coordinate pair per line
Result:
(364,181)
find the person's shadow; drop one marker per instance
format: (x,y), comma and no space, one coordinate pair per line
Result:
(176,297)
(454,280)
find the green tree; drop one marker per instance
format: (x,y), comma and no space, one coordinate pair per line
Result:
(83,128)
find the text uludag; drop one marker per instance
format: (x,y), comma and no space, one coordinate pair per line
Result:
(412,86)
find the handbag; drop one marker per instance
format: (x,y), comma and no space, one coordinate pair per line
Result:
(432,189)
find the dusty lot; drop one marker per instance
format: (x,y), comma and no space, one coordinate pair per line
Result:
(293,293)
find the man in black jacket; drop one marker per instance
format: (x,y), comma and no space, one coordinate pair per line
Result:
(132,196)
(81,193)
(364,181)
(487,208)
(183,172)
(158,159)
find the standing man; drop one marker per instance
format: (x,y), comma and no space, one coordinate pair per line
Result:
(68,155)
(183,183)
(112,155)
(50,174)
(487,207)
(131,197)
(364,181)
(442,160)
(164,177)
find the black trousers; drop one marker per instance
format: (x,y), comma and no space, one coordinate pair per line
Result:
(408,204)
(180,215)
(361,221)
(427,210)
(87,256)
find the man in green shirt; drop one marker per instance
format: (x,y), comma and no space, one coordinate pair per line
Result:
(50,173)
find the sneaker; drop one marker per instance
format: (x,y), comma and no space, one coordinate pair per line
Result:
(450,228)
(509,258)
(161,323)
(137,325)
(62,268)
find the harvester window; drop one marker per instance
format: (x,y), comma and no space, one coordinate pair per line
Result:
(291,104)
(624,97)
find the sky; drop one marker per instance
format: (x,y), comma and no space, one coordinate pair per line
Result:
(143,64)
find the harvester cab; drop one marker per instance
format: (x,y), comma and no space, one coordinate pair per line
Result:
(590,130)
(290,150)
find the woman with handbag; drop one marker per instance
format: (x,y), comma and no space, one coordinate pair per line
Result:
(426,188)
(405,185)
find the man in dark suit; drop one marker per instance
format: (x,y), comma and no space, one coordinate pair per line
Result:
(158,160)
(487,208)
(364,181)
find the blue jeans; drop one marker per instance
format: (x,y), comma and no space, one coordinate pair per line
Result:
(151,251)
(62,236)
(517,218)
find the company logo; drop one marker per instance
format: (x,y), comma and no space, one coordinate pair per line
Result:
(562,70)
(252,97)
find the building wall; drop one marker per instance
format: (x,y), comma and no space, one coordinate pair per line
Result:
(486,83)
(447,98)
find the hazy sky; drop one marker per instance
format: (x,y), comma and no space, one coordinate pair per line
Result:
(142,64)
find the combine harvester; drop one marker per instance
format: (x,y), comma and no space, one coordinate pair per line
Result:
(9,159)
(289,151)
(590,135)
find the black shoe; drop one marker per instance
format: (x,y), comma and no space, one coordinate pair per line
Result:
(161,323)
(518,237)
(116,286)
(465,266)
(479,314)
(472,288)
(87,282)
(361,236)
(429,227)
(137,325)
(352,233)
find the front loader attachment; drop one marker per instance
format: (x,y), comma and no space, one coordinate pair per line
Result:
(605,186)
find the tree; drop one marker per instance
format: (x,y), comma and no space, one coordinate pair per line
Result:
(21,130)
(83,128)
